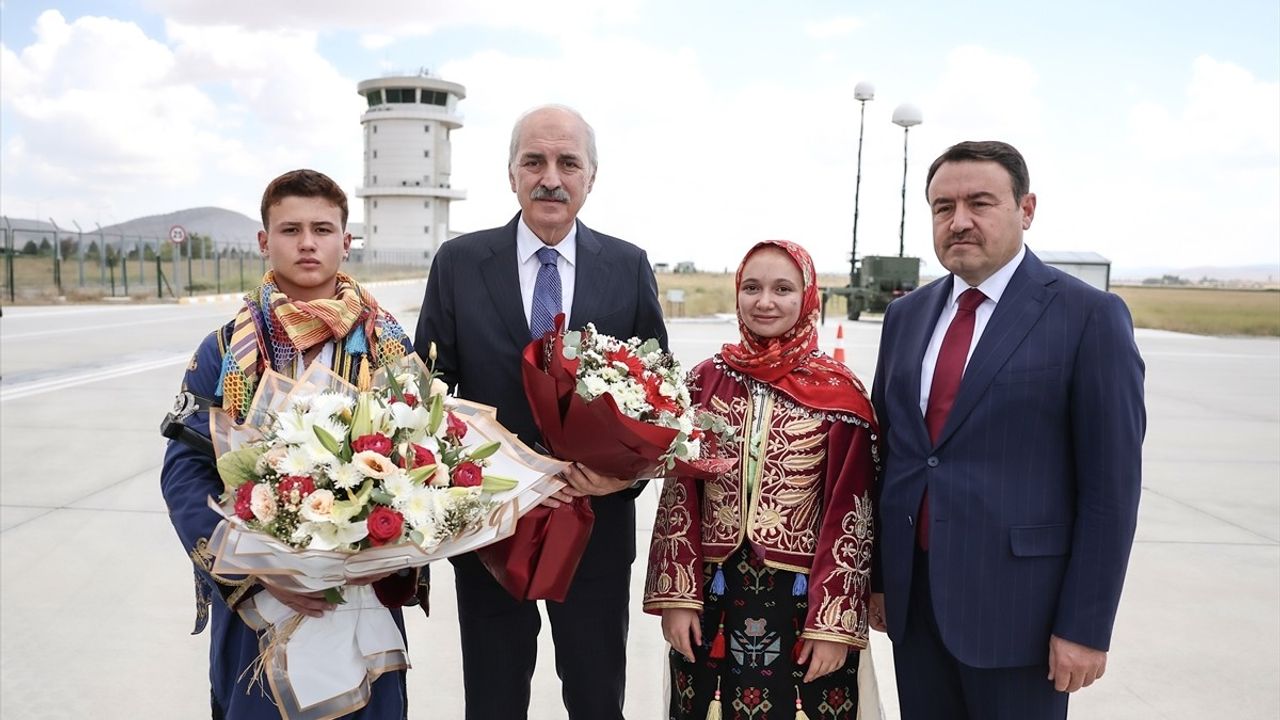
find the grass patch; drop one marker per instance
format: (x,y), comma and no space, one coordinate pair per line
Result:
(1204,311)
(712,293)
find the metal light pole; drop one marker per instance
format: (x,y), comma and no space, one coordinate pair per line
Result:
(906,116)
(862,92)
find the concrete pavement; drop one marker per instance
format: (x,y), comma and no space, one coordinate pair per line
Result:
(95,594)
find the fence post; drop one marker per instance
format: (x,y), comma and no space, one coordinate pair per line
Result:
(190,242)
(159,274)
(142,261)
(79,255)
(102,259)
(8,257)
(57,256)
(124,265)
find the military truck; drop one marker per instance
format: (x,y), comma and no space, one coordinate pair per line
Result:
(876,281)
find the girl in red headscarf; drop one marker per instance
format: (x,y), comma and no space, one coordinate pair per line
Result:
(762,575)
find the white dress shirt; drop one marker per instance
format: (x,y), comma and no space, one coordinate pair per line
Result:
(993,287)
(527,247)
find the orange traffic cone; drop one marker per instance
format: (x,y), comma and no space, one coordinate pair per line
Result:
(839,352)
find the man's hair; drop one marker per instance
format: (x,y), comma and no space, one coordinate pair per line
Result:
(592,157)
(1001,153)
(303,183)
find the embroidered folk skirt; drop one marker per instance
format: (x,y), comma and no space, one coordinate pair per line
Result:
(758,677)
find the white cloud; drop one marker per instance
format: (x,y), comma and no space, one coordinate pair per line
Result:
(833,27)
(401,18)
(105,115)
(376,41)
(1229,116)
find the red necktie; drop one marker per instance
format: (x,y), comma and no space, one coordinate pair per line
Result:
(946,383)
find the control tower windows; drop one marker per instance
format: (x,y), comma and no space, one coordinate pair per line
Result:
(435,97)
(375,98)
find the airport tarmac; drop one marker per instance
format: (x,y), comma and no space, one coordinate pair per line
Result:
(95,590)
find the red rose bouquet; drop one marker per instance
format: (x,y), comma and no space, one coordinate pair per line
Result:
(620,407)
(327,483)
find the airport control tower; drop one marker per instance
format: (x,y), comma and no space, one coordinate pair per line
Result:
(407,161)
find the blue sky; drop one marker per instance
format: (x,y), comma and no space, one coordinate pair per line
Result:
(1152,130)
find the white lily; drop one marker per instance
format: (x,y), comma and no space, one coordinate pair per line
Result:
(414,419)
(328,535)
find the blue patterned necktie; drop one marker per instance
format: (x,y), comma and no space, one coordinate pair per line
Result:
(546,294)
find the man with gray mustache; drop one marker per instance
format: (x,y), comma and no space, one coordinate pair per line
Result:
(489,293)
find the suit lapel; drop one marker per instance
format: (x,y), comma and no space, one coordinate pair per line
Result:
(1021,305)
(917,341)
(502,278)
(590,278)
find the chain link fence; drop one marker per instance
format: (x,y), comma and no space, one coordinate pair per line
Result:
(46,263)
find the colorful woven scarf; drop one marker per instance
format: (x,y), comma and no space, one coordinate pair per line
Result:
(272,328)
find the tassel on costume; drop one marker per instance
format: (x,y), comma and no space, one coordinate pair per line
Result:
(717,581)
(800,587)
(717,643)
(800,714)
(713,708)
(364,380)
(356,343)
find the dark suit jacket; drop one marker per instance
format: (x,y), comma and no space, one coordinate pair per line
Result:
(473,313)
(1034,481)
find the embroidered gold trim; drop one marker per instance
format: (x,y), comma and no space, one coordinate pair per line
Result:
(859,643)
(665,605)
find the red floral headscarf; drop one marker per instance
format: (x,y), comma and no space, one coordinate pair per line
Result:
(790,362)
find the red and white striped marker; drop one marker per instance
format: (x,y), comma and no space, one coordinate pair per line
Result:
(839,351)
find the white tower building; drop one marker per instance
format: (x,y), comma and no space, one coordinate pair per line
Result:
(407,162)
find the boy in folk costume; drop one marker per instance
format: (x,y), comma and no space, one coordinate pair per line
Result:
(304,311)
(762,575)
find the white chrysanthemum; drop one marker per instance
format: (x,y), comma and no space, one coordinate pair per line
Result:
(333,426)
(331,535)
(373,465)
(345,476)
(318,506)
(596,385)
(262,501)
(423,509)
(296,461)
(301,400)
(400,487)
(329,403)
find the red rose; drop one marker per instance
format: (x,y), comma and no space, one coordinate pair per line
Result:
(455,428)
(467,474)
(385,525)
(244,495)
(290,484)
(422,456)
(622,355)
(410,399)
(377,442)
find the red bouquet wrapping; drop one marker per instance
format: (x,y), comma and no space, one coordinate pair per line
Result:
(597,432)
(539,560)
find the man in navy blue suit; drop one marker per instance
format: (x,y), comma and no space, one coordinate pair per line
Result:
(1010,399)
(488,294)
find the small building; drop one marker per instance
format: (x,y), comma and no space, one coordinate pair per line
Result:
(686,266)
(1087,266)
(661,268)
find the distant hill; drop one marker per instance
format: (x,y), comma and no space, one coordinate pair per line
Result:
(1261,273)
(224,226)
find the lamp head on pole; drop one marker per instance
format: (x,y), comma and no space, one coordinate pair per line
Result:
(864,91)
(907,115)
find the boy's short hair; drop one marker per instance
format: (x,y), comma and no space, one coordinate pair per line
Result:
(303,183)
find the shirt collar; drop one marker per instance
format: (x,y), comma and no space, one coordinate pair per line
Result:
(994,286)
(527,243)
